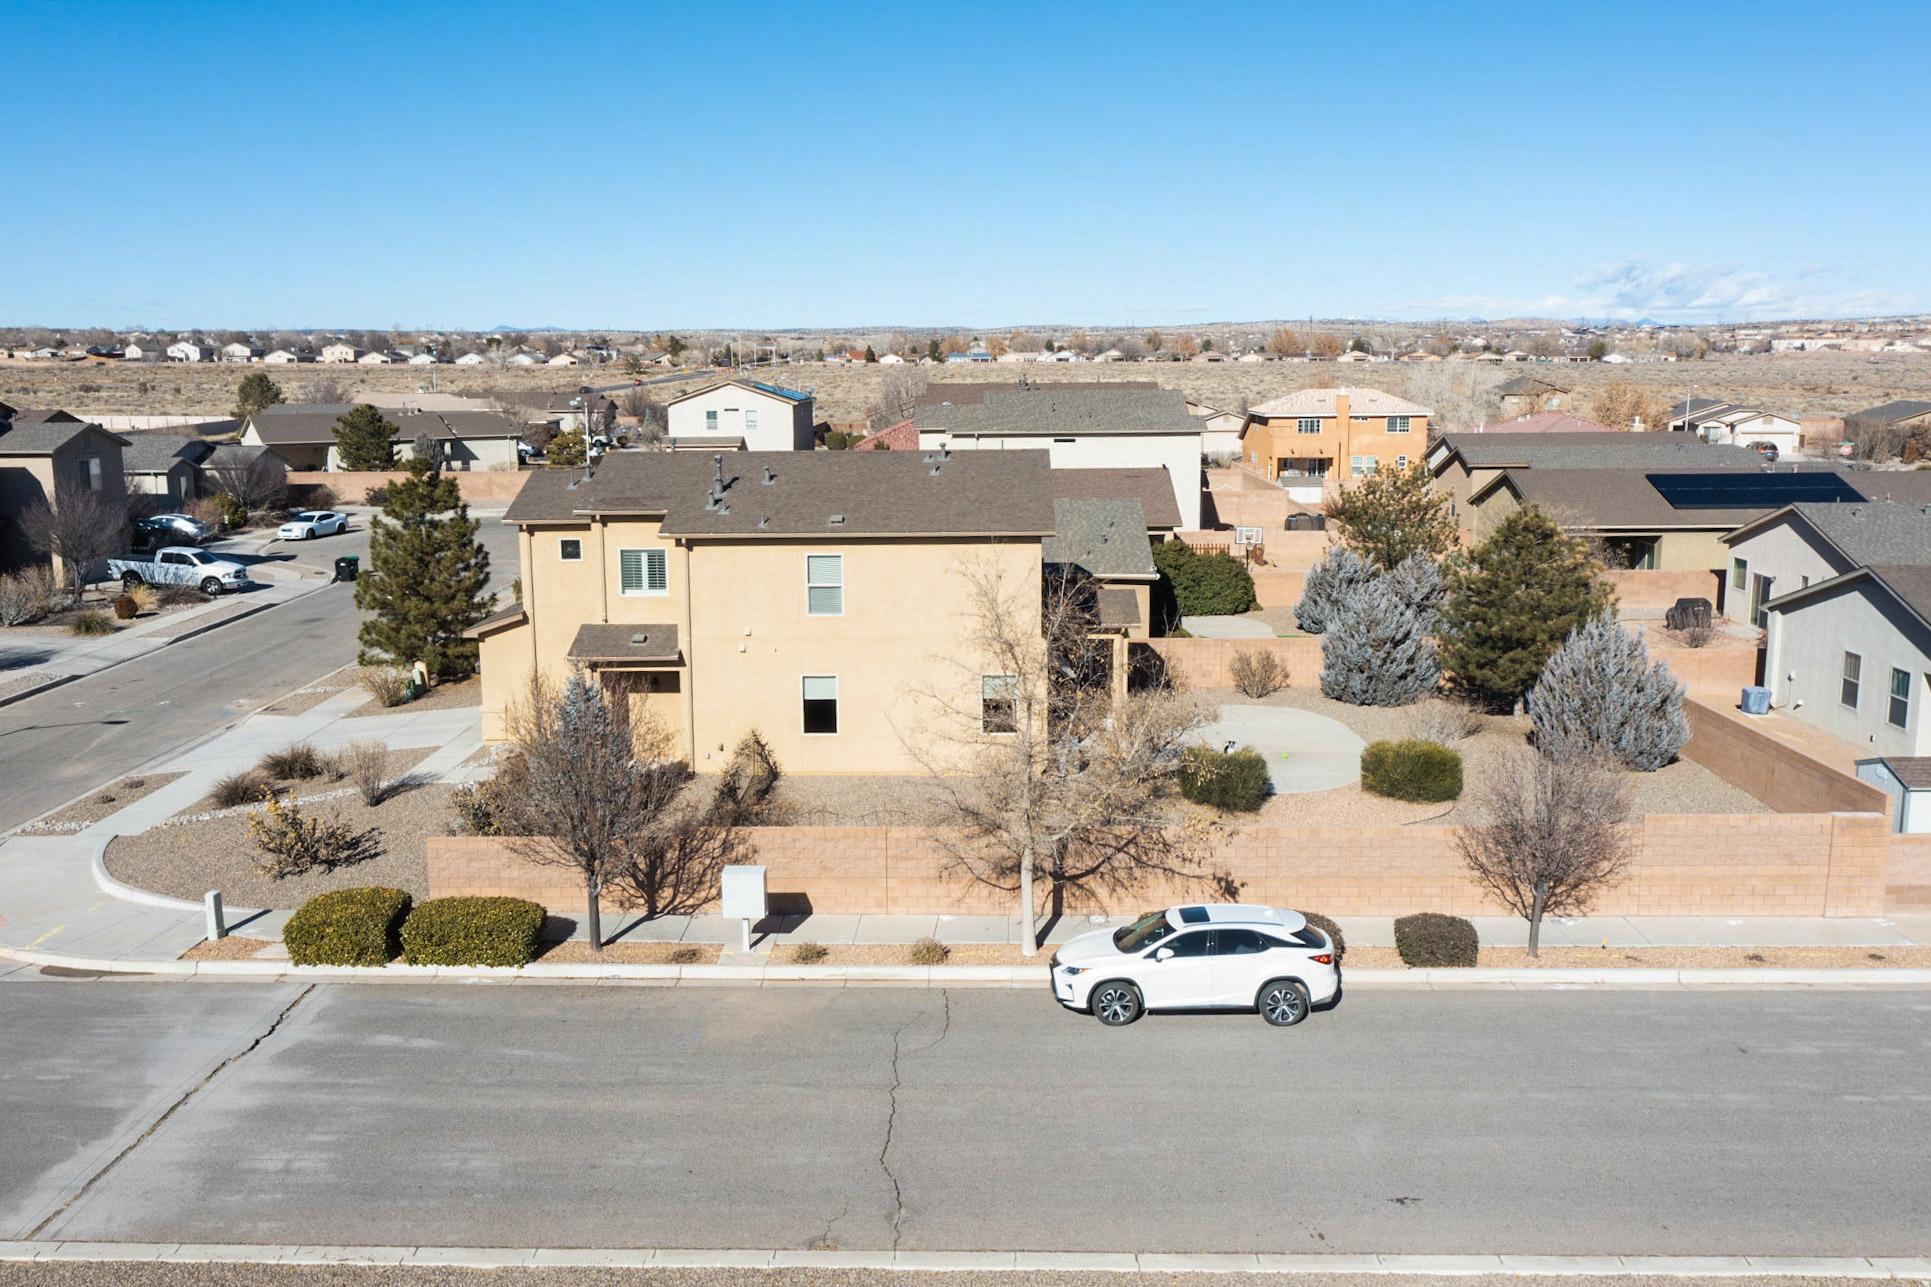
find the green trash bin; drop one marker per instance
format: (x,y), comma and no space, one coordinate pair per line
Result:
(347,567)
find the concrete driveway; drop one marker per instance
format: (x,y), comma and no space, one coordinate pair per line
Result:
(1305,751)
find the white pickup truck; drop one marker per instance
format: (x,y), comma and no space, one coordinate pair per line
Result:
(181,565)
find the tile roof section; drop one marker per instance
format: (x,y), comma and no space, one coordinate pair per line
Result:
(45,437)
(826,494)
(156,453)
(1045,411)
(1321,402)
(307,424)
(1108,538)
(1615,500)
(1596,451)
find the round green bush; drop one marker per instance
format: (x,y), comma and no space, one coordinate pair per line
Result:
(1412,769)
(1232,780)
(1430,939)
(348,927)
(1202,585)
(473,931)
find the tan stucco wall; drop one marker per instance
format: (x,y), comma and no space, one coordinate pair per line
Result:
(1343,436)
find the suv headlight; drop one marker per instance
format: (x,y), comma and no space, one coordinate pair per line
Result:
(1075,969)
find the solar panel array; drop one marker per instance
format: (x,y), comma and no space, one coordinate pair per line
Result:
(1752,490)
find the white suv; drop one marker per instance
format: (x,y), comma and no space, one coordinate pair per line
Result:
(1217,956)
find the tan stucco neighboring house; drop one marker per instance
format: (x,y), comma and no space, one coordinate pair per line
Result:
(302,434)
(765,417)
(823,599)
(1338,433)
(45,458)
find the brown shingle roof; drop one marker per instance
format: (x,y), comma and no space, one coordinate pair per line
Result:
(1150,486)
(621,643)
(964,394)
(1118,609)
(824,494)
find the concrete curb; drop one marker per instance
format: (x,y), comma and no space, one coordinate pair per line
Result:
(948,976)
(38,689)
(1876,1267)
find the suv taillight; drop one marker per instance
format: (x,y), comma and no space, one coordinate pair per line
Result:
(1325,958)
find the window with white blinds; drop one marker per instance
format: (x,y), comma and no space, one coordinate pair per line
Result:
(824,585)
(643,572)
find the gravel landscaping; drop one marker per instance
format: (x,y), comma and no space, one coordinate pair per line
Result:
(900,954)
(577,952)
(25,682)
(328,787)
(104,803)
(451,696)
(307,699)
(1682,787)
(236,947)
(882,801)
(187,859)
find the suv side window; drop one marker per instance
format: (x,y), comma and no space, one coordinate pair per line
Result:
(1238,942)
(1199,943)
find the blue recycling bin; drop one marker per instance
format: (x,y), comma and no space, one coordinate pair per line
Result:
(1756,700)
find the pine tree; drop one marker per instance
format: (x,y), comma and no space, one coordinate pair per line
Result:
(1393,513)
(1600,696)
(566,450)
(425,578)
(1512,603)
(1375,652)
(870,354)
(254,392)
(934,352)
(1331,583)
(364,440)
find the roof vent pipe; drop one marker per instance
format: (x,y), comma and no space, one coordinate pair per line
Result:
(769,477)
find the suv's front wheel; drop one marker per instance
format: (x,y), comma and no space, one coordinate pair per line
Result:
(1283,1002)
(1116,1004)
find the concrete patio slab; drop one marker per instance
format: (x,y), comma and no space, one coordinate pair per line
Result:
(1226,628)
(1305,751)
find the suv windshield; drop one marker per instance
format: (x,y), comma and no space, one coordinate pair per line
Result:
(1143,933)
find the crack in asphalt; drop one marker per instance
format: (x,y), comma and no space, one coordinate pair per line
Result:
(170,1111)
(891,1116)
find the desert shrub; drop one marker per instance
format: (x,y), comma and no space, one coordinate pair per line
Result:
(299,762)
(348,927)
(1333,931)
(1444,721)
(750,778)
(1412,769)
(1598,695)
(367,766)
(125,609)
(1202,585)
(389,685)
(1692,636)
(1257,672)
(498,805)
(26,595)
(145,597)
(928,951)
(377,496)
(810,953)
(318,496)
(1331,583)
(90,623)
(180,596)
(1375,651)
(238,789)
(205,508)
(472,931)
(233,513)
(1430,940)
(1229,780)
(288,842)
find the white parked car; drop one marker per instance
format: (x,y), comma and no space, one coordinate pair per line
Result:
(1213,956)
(311,523)
(181,565)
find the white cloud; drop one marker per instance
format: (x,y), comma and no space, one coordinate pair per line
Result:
(1636,288)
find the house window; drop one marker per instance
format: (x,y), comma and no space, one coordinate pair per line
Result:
(1739,573)
(821,704)
(90,472)
(1853,671)
(1308,424)
(1399,424)
(997,703)
(1401,462)
(824,585)
(750,421)
(570,550)
(710,422)
(643,572)
(1362,466)
(1900,713)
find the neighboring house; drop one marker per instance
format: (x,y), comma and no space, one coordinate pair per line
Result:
(522,359)
(165,465)
(903,436)
(1907,780)
(768,417)
(302,435)
(471,359)
(422,359)
(1549,422)
(1220,436)
(1889,424)
(46,458)
(565,359)
(1527,394)
(890,359)
(1322,433)
(144,351)
(1851,655)
(1462,462)
(1149,489)
(288,357)
(1730,422)
(190,351)
(1107,540)
(1796,546)
(239,352)
(1084,427)
(820,599)
(380,357)
(970,355)
(583,411)
(972,393)
(341,352)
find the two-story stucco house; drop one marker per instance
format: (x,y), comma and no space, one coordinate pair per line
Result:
(341,352)
(747,415)
(822,599)
(1082,426)
(45,456)
(1340,433)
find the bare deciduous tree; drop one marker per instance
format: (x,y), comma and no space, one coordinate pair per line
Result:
(1054,778)
(80,529)
(254,476)
(1553,840)
(898,398)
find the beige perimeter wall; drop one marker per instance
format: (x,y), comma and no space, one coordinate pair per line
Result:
(352,488)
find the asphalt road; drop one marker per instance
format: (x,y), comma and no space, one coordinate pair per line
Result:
(70,739)
(1762,1122)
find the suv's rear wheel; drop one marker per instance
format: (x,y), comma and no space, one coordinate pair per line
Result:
(1116,1004)
(1283,1002)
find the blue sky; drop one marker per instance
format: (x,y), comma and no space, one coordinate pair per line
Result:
(633,166)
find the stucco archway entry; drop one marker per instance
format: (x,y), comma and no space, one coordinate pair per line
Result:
(1304,751)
